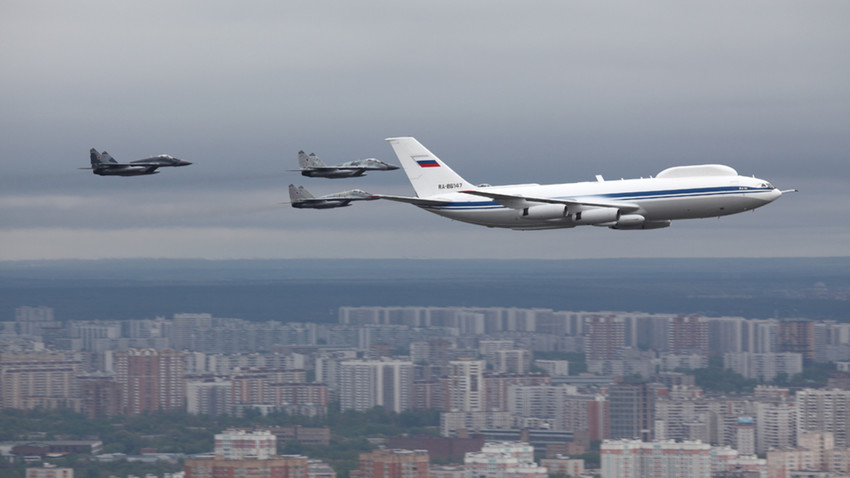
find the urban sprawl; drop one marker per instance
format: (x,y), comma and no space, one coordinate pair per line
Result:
(499,377)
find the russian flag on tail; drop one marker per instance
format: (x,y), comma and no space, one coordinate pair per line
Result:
(428,163)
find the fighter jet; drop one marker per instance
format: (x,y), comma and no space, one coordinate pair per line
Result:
(103,164)
(302,199)
(313,167)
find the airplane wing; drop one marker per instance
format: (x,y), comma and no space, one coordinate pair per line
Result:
(352,195)
(517,201)
(411,200)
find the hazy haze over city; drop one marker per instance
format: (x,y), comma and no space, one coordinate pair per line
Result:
(504,93)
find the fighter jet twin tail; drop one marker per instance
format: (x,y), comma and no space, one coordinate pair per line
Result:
(313,167)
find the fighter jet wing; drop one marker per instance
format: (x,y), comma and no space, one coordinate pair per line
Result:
(352,195)
(411,200)
(517,201)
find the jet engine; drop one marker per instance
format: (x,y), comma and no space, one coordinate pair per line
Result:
(545,212)
(629,220)
(598,216)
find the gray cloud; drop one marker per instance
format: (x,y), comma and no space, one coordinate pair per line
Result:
(509,93)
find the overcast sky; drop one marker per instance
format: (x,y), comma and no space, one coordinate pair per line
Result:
(504,92)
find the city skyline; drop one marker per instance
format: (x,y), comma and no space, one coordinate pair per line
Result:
(478,368)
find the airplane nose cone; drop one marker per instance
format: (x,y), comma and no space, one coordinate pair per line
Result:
(773,195)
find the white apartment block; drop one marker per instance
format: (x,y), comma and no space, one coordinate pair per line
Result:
(503,460)
(658,459)
(488,348)
(369,383)
(239,444)
(208,397)
(775,426)
(670,362)
(825,411)
(451,422)
(466,385)
(673,416)
(513,361)
(764,366)
(555,368)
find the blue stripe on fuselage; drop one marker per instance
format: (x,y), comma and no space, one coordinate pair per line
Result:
(626,196)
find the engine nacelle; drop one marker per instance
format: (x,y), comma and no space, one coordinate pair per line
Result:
(545,212)
(599,216)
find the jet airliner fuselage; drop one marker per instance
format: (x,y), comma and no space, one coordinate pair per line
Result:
(683,192)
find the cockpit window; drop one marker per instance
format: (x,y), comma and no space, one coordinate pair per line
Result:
(767,186)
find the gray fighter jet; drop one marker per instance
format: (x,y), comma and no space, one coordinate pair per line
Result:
(103,164)
(302,199)
(313,167)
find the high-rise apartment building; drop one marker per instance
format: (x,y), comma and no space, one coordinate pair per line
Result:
(465,386)
(100,396)
(824,411)
(766,366)
(605,337)
(496,387)
(632,410)
(775,425)
(150,380)
(368,383)
(513,361)
(687,334)
(39,380)
(208,397)
(797,336)
(33,320)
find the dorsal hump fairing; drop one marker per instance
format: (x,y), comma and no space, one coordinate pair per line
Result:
(427,173)
(699,170)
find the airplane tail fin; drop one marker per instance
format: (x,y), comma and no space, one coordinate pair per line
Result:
(305,194)
(311,161)
(95,158)
(426,172)
(106,158)
(297,194)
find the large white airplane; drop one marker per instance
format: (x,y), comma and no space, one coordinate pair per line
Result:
(683,192)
